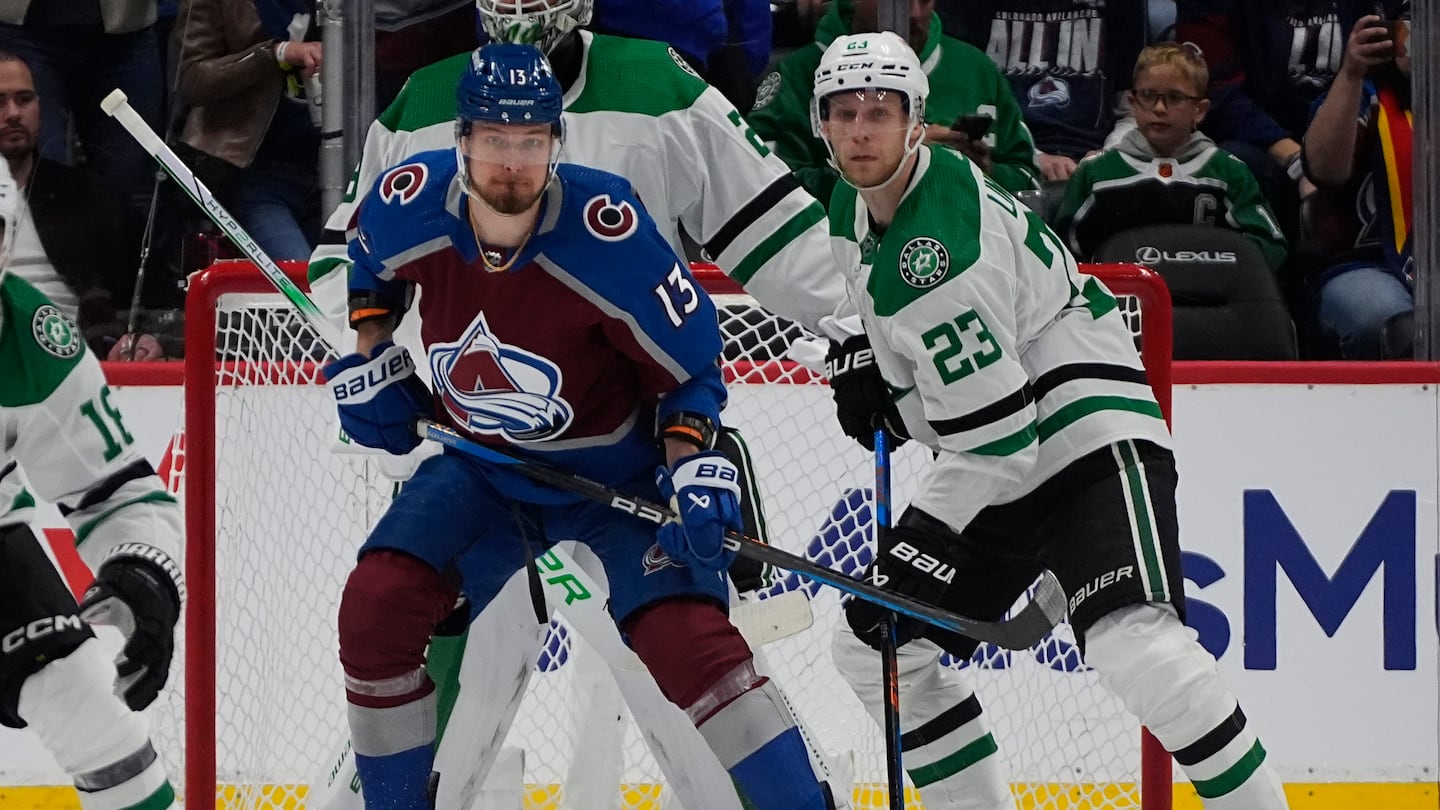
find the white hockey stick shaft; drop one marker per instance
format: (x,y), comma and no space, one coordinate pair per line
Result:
(118,106)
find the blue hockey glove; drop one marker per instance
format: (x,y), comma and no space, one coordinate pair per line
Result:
(379,397)
(704,490)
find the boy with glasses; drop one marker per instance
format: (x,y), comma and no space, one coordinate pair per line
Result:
(1166,171)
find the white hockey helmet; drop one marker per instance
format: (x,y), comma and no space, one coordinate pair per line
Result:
(541,23)
(881,61)
(860,63)
(9,212)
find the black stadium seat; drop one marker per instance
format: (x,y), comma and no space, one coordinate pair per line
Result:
(1228,304)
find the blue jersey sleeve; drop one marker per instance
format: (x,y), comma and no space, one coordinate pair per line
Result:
(660,316)
(407,209)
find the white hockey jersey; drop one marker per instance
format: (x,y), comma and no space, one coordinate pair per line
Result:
(1011,363)
(59,425)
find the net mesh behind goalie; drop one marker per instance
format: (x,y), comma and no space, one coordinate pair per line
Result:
(274,516)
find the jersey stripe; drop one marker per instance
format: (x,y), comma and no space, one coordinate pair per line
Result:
(746,268)
(1007,405)
(83,533)
(750,213)
(1009,445)
(1081,408)
(1070,372)
(103,490)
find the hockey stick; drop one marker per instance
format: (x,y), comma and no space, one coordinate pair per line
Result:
(889,663)
(646,702)
(117,106)
(1019,632)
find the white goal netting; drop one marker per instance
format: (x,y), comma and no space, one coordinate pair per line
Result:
(274,517)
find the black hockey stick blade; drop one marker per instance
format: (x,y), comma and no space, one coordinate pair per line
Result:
(1017,633)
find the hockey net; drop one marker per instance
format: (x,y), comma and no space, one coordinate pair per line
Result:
(274,516)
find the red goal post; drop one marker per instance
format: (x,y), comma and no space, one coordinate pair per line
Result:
(241,371)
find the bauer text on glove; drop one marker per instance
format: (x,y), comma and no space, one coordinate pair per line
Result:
(379,397)
(704,491)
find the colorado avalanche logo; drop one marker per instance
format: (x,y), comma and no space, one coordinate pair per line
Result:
(494,388)
(403,183)
(656,559)
(609,220)
(1050,92)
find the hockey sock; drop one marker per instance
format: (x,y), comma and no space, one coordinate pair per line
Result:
(100,743)
(395,753)
(949,750)
(758,743)
(397,781)
(1155,666)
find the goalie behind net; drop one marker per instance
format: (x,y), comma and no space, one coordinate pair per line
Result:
(288,514)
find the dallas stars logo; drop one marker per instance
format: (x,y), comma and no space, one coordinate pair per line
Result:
(55,333)
(923,262)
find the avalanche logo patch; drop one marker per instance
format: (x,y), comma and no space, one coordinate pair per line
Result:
(493,388)
(609,220)
(680,61)
(403,183)
(55,332)
(656,559)
(1049,92)
(924,262)
(765,93)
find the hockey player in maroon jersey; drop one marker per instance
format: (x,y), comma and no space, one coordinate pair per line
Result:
(551,281)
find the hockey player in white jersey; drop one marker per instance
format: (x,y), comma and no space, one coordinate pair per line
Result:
(1019,373)
(62,438)
(694,162)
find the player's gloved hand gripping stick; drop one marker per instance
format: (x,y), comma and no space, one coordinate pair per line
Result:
(1019,632)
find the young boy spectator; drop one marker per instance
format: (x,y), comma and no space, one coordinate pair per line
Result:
(963,81)
(1165,170)
(1363,168)
(1068,62)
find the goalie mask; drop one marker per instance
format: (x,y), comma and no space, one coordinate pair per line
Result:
(542,23)
(503,93)
(866,69)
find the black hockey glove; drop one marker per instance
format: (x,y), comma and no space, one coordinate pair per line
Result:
(863,401)
(909,561)
(138,590)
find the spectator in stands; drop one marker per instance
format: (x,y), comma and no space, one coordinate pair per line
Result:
(78,52)
(75,240)
(243,73)
(1269,61)
(1069,63)
(963,81)
(1166,171)
(726,41)
(1363,168)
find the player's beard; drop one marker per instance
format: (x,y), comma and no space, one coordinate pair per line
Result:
(509,197)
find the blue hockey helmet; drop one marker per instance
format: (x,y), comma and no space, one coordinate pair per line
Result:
(508,84)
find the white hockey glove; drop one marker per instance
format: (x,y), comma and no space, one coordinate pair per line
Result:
(139,590)
(704,490)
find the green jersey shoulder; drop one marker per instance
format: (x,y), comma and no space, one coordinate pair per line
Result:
(934,238)
(39,344)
